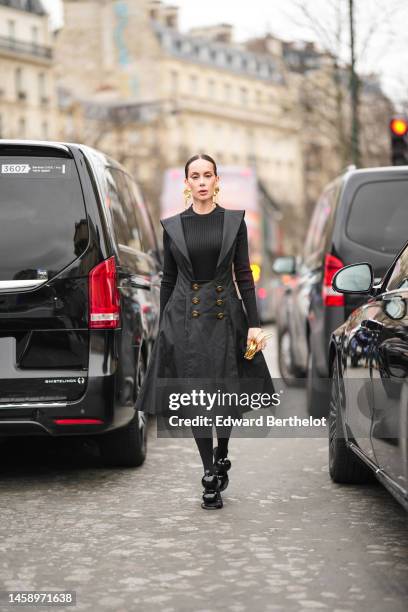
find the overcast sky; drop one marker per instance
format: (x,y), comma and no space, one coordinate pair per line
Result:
(381,30)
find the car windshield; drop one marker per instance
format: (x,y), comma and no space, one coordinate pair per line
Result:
(43,224)
(378,217)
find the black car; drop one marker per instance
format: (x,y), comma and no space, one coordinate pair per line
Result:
(79,297)
(361,215)
(368,365)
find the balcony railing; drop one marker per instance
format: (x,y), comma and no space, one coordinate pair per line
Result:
(26,48)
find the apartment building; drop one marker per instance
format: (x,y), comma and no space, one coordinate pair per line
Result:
(27,87)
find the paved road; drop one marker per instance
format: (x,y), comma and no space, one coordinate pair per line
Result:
(287,538)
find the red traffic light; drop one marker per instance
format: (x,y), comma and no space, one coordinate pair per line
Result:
(399,126)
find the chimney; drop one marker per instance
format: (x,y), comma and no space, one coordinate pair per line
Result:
(220,33)
(164,14)
(266,44)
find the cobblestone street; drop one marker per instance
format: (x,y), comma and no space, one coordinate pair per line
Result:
(286,539)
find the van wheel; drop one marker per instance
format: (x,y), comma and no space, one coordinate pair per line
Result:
(344,465)
(127,446)
(288,370)
(317,397)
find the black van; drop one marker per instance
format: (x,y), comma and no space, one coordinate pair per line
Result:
(79,297)
(361,216)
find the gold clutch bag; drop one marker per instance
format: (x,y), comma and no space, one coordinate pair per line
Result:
(252,348)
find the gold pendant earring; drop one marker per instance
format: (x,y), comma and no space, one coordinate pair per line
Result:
(216,192)
(187,196)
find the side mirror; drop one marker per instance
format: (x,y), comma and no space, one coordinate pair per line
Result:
(284,265)
(356,278)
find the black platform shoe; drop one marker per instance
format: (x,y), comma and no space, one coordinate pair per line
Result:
(221,467)
(211,495)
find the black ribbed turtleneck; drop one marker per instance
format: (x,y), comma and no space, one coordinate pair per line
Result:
(203,236)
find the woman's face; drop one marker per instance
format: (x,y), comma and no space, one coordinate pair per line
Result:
(201,180)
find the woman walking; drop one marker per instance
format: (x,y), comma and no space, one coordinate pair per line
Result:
(204,331)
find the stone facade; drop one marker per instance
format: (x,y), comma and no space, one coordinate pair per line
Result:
(152,96)
(324,111)
(28,106)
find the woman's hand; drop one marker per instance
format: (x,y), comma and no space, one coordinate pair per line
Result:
(258,335)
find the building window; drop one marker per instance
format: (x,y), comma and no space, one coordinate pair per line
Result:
(204,53)
(211,88)
(244,95)
(22,127)
(12,28)
(264,70)
(237,62)
(18,75)
(220,58)
(41,87)
(227,91)
(34,35)
(193,84)
(45,130)
(174,81)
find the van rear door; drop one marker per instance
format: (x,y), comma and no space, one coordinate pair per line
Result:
(375,225)
(43,286)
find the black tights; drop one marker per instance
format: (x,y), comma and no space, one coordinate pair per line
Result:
(204,439)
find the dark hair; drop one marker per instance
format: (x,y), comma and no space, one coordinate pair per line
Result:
(200,156)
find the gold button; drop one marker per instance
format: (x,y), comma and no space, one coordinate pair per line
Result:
(219,288)
(195,286)
(219,302)
(195,313)
(220,315)
(195,300)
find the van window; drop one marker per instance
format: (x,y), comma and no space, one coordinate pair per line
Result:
(378,216)
(121,208)
(142,215)
(43,223)
(319,224)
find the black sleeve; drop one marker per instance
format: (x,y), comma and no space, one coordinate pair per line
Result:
(170,272)
(244,277)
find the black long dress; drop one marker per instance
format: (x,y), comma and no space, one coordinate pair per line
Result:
(203,325)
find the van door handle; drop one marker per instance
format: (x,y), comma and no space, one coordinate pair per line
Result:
(17,285)
(139,282)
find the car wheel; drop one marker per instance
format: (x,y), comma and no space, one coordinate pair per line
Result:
(127,446)
(317,397)
(288,370)
(344,465)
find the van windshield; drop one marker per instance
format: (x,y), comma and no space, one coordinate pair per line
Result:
(378,216)
(43,223)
